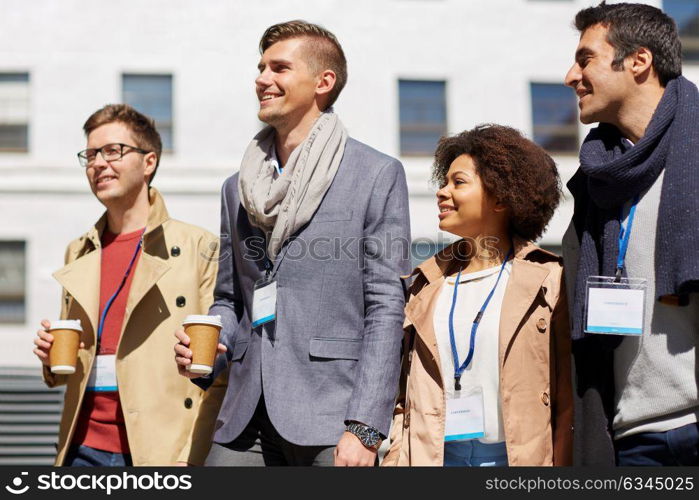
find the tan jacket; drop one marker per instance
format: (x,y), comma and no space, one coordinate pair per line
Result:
(160,407)
(535,377)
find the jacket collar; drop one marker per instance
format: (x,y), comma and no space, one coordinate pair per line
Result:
(80,278)
(444,264)
(525,281)
(157,216)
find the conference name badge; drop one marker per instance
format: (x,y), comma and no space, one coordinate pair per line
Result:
(264,302)
(465,416)
(615,306)
(103,374)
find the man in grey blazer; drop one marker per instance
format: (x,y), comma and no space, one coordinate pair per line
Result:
(314,237)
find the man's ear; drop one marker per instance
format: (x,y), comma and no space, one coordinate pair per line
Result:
(151,163)
(326,82)
(641,62)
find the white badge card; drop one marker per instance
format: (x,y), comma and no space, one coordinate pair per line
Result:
(616,308)
(465,416)
(103,374)
(264,302)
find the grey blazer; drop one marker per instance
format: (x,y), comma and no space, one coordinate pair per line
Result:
(333,352)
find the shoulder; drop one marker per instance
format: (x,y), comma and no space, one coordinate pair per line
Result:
(76,246)
(178,228)
(359,153)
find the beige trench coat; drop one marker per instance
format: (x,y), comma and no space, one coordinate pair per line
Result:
(535,372)
(160,406)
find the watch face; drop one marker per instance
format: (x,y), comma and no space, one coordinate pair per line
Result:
(367,435)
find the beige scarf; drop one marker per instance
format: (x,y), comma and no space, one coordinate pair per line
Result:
(281,207)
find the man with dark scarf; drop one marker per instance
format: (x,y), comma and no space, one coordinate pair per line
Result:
(637,396)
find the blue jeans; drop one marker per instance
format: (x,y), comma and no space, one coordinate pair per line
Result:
(84,456)
(473,453)
(674,447)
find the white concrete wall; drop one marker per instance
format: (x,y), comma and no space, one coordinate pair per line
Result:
(76,50)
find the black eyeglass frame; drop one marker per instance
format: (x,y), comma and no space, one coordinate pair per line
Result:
(82,155)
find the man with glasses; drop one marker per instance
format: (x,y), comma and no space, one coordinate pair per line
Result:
(131,280)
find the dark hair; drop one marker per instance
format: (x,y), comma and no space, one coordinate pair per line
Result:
(513,170)
(142,128)
(632,26)
(321,47)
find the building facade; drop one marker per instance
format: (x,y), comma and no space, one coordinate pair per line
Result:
(417,69)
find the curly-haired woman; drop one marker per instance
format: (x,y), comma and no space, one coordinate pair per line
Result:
(486,368)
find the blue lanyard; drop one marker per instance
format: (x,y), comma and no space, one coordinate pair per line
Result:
(111,300)
(459,370)
(624,235)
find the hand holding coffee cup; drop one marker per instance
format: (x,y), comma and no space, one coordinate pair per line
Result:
(57,345)
(43,342)
(198,344)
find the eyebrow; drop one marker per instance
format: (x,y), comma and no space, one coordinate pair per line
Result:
(582,52)
(286,62)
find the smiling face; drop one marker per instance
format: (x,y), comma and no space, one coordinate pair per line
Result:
(286,86)
(465,209)
(114,181)
(602,90)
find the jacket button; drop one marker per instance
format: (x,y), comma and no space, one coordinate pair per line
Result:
(180,301)
(541,325)
(175,251)
(188,403)
(545,398)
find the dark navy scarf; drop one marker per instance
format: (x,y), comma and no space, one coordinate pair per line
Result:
(612,172)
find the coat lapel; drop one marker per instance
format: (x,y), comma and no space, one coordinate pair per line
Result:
(522,288)
(147,273)
(78,279)
(420,313)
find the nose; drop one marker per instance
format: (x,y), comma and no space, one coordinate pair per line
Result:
(443,193)
(263,79)
(99,161)
(573,76)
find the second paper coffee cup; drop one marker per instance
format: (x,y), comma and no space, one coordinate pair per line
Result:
(203,332)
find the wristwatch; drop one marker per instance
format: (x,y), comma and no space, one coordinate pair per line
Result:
(370,437)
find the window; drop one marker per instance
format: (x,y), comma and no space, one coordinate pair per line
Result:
(423,116)
(424,248)
(152,96)
(12,285)
(554,117)
(14,112)
(686,15)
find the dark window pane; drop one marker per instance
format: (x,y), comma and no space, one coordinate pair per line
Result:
(423,115)
(14,77)
(12,281)
(14,111)
(554,117)
(14,137)
(152,96)
(423,249)
(686,16)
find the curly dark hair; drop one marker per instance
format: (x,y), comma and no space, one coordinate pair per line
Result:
(513,170)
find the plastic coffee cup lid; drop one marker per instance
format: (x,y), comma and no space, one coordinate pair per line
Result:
(66,324)
(203,319)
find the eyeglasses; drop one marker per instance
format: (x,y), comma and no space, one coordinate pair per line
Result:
(110,152)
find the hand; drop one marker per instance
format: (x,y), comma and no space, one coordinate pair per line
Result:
(350,452)
(43,342)
(181,464)
(183,356)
